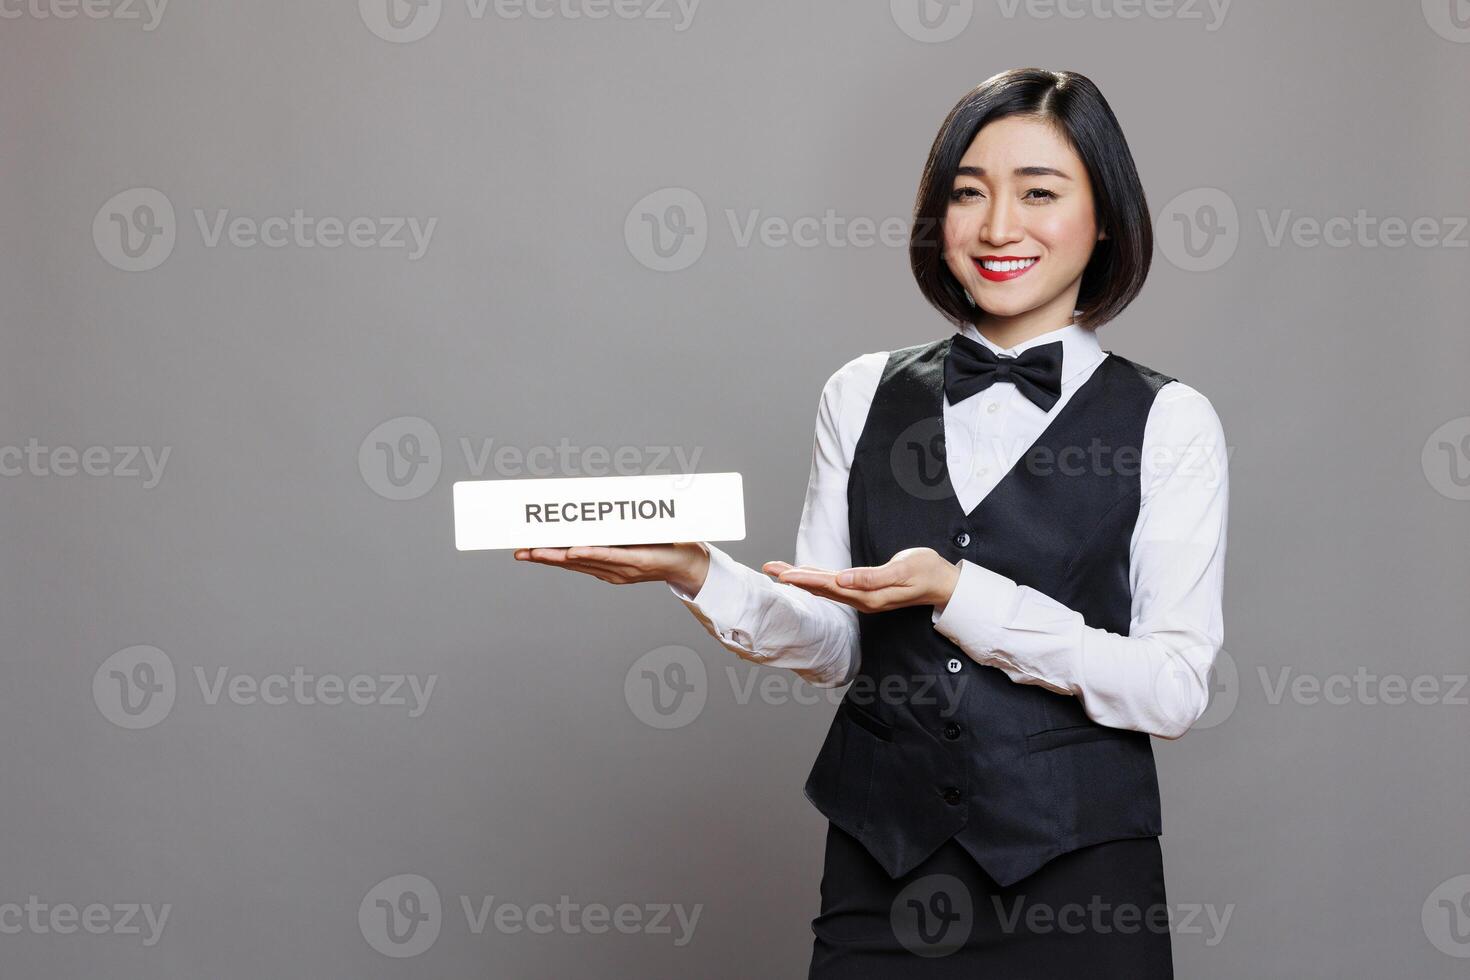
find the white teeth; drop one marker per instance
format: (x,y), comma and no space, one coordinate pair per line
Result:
(1007,266)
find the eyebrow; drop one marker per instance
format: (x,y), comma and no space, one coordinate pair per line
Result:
(1019,172)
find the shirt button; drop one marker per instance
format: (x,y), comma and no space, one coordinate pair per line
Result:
(991,407)
(954,665)
(962,539)
(952,795)
(952,731)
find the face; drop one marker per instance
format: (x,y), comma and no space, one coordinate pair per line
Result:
(1021,193)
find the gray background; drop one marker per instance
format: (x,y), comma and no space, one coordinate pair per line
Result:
(1326,829)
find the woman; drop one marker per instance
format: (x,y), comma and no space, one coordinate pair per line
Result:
(1013,549)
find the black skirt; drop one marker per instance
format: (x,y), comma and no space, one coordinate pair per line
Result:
(1098,912)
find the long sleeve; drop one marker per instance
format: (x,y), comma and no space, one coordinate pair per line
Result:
(1156,679)
(779,625)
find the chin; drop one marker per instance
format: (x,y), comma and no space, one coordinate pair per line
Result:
(1002,306)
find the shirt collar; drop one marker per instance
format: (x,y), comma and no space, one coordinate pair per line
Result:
(1080,347)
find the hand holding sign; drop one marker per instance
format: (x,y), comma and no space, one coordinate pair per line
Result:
(682,565)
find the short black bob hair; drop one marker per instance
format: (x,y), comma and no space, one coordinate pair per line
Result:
(1069,101)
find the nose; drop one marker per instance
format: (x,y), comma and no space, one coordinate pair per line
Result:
(1002,224)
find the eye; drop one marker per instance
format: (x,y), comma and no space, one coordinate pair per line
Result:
(965,194)
(1046,194)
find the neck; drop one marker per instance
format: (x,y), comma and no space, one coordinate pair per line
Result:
(1007,331)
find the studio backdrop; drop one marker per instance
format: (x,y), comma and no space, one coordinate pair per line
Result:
(276,276)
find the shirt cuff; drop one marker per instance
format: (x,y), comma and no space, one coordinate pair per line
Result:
(976,612)
(1001,624)
(721,599)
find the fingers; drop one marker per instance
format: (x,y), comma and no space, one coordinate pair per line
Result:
(618,570)
(781,567)
(862,578)
(559,555)
(807,576)
(820,581)
(540,554)
(596,553)
(866,578)
(551,556)
(861,599)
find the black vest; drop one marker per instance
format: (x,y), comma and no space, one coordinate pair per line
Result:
(927,744)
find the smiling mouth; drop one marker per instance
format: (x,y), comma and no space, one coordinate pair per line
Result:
(1004,268)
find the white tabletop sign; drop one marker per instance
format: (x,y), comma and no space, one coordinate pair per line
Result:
(598,510)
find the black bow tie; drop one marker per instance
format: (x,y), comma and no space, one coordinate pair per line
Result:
(971,367)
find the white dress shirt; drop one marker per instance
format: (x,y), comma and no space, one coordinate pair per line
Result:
(1155,679)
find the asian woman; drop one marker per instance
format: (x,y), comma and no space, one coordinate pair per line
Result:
(1012,554)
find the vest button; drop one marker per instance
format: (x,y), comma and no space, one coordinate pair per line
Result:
(952,731)
(954,665)
(962,539)
(952,796)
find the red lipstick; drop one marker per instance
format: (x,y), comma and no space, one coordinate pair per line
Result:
(999,276)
